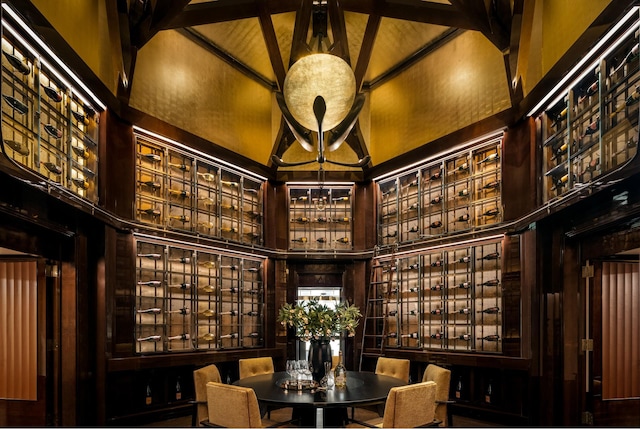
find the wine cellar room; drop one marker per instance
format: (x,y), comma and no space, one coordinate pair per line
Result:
(465,173)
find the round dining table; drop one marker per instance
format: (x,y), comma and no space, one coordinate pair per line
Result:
(363,388)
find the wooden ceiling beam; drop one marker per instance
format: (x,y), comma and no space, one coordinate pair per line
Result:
(226,10)
(366,49)
(160,15)
(299,45)
(340,46)
(487,23)
(271,40)
(122,52)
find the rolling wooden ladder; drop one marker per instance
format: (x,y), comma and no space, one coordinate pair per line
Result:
(374,331)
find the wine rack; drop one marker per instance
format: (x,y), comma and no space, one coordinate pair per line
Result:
(448,299)
(190,299)
(180,191)
(592,128)
(460,192)
(320,218)
(47,125)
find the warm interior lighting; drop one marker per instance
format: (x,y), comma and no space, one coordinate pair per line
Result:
(320,74)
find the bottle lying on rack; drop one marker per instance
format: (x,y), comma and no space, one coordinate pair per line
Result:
(341,220)
(151,212)
(592,128)
(21,148)
(463,285)
(181,337)
(414,229)
(489,256)
(207,177)
(437,286)
(230,267)
(154,310)
(301,220)
(436,176)
(343,240)
(465,310)
(491,185)
(181,193)
(229,336)
(560,117)
(181,260)
(321,240)
(632,99)
(207,264)
(53,131)
(411,335)
(209,337)
(412,267)
(230,183)
(183,286)
(150,338)
(180,218)
(591,90)
(252,335)
(390,234)
(493,282)
(231,229)
(437,263)
(53,168)
(52,93)
(464,337)
(631,55)
(491,212)
(299,240)
(180,166)
(151,184)
(154,283)
(82,152)
(183,311)
(490,158)
(436,200)
(437,311)
(438,336)
(462,260)
(494,337)
(17,63)
(16,104)
(154,256)
(414,206)
(152,157)
(463,218)
(345,198)
(460,168)
(490,310)
(435,225)
(80,183)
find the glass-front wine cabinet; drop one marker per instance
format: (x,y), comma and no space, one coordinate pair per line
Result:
(320,218)
(457,193)
(49,126)
(181,191)
(445,299)
(591,127)
(190,299)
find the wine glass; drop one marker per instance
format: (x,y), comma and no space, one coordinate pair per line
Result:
(291,369)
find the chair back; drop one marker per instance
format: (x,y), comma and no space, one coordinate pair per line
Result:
(410,406)
(200,379)
(255,366)
(398,368)
(442,378)
(233,406)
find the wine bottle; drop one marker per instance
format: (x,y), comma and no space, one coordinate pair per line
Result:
(390,269)
(16,104)
(438,336)
(341,220)
(148,397)
(463,285)
(53,168)
(299,240)
(207,264)
(436,200)
(154,256)
(178,390)
(491,212)
(207,337)
(463,218)
(228,313)
(154,310)
(493,282)
(252,269)
(592,128)
(560,117)
(181,337)
(207,177)
(180,166)
(229,207)
(180,193)
(340,373)
(154,283)
(463,260)
(390,234)
(183,286)
(21,148)
(631,100)
(411,335)
(489,256)
(392,335)
(488,393)
(458,393)
(435,225)
(491,185)
(343,240)
(322,220)
(150,338)
(150,183)
(414,229)
(80,183)
(437,263)
(230,290)
(321,240)
(436,176)
(151,212)
(302,220)
(181,260)
(437,286)
(182,311)
(460,168)
(437,311)
(252,313)
(631,55)
(345,198)
(413,206)
(80,117)
(181,218)
(558,153)
(80,151)
(465,310)
(392,313)
(230,267)
(17,63)
(230,336)
(463,193)
(207,313)
(490,158)
(230,183)
(493,338)
(231,229)
(393,290)
(464,337)
(412,267)
(152,157)
(490,310)
(252,335)
(300,198)
(52,93)
(53,131)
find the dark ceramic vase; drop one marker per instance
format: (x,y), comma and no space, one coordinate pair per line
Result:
(319,353)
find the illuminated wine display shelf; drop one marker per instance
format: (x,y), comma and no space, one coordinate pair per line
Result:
(181,191)
(320,218)
(593,127)
(188,300)
(449,299)
(460,192)
(47,126)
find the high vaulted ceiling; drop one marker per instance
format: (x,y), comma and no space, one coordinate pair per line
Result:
(261,39)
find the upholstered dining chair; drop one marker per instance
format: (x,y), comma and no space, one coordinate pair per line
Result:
(442,378)
(255,366)
(407,406)
(201,377)
(398,368)
(233,407)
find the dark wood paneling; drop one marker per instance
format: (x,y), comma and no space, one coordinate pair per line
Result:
(117,166)
(519,172)
(68,344)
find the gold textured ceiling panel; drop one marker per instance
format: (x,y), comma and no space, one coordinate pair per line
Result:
(177,81)
(243,40)
(84,27)
(397,40)
(463,82)
(356,23)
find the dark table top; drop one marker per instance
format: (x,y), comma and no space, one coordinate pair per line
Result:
(363,388)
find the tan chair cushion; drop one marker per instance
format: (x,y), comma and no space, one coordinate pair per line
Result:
(255,366)
(398,368)
(442,378)
(200,379)
(410,406)
(233,406)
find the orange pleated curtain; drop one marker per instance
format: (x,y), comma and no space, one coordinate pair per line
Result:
(620,330)
(18,330)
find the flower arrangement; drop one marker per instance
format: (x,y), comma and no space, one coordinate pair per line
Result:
(314,321)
